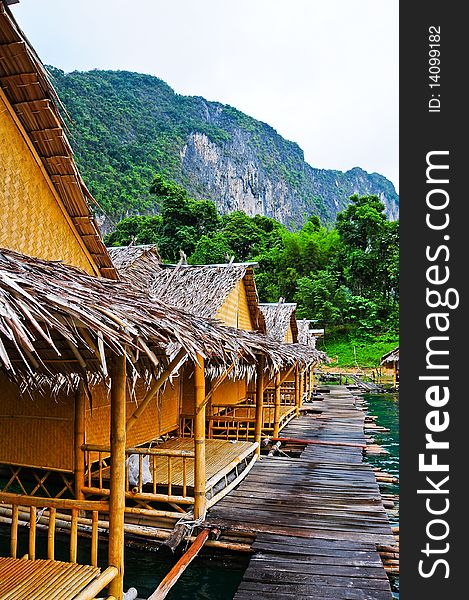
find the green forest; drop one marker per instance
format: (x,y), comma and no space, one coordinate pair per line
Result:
(345,277)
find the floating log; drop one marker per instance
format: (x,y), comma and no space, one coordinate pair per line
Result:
(179,568)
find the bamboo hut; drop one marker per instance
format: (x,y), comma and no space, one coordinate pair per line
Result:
(391,361)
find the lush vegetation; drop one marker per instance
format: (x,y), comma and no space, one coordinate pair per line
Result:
(125,127)
(345,277)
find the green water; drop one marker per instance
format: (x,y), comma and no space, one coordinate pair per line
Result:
(386,408)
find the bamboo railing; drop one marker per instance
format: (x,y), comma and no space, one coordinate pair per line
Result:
(175,464)
(25,508)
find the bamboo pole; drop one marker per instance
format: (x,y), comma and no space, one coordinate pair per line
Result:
(278,399)
(259,403)
(156,385)
(14,532)
(111,574)
(171,578)
(302,387)
(117,476)
(297,390)
(79,442)
(199,439)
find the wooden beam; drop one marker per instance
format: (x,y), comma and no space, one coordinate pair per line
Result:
(199,439)
(278,398)
(155,386)
(79,458)
(259,403)
(172,577)
(117,476)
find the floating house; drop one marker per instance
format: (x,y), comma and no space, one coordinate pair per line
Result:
(391,360)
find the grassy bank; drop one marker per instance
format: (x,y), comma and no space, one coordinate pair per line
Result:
(351,352)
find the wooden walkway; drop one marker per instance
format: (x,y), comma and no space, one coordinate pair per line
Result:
(317,518)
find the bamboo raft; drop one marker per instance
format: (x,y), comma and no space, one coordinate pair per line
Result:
(318,519)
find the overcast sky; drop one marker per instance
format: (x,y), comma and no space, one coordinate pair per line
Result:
(323,73)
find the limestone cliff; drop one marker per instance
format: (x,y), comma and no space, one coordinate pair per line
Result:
(126,127)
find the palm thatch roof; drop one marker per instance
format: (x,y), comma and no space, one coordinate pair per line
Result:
(305,334)
(278,317)
(198,289)
(390,358)
(57,319)
(137,264)
(35,105)
(202,289)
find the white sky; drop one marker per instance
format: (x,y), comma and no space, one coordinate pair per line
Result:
(323,73)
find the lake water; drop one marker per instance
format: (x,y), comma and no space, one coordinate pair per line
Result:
(386,407)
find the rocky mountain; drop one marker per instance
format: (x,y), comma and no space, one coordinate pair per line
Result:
(125,127)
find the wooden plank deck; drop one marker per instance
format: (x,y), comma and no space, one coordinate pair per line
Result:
(43,579)
(317,518)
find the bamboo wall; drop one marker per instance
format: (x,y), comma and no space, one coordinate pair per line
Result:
(289,336)
(160,417)
(31,218)
(235,309)
(38,431)
(230,392)
(35,431)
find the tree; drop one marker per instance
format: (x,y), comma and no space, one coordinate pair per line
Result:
(138,230)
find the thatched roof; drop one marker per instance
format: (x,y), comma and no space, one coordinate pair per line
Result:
(305,334)
(198,289)
(202,289)
(390,358)
(278,317)
(35,104)
(57,319)
(136,264)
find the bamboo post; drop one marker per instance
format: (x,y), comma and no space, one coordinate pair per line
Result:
(199,439)
(117,476)
(79,442)
(278,398)
(259,403)
(302,387)
(297,390)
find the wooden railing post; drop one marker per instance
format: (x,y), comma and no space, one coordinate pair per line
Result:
(117,477)
(302,387)
(79,458)
(278,398)
(259,403)
(199,439)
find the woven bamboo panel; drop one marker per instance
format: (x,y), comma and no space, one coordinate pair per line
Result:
(235,309)
(160,417)
(31,220)
(230,392)
(43,579)
(36,431)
